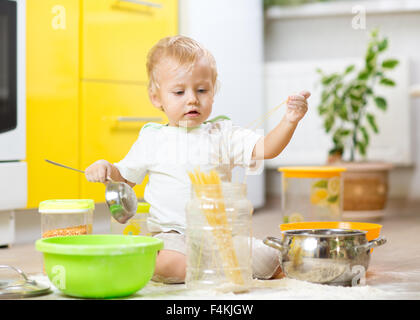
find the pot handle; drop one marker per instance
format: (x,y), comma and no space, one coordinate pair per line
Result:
(373,243)
(274,243)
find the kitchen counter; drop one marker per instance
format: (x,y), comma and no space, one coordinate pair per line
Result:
(394,270)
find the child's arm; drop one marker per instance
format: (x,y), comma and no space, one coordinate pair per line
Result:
(103,171)
(277,139)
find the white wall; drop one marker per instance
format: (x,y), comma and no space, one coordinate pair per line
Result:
(233,32)
(309,144)
(332,36)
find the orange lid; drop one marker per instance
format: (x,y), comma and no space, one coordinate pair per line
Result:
(373,230)
(311,172)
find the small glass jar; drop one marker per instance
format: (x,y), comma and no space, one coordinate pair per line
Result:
(137,225)
(311,193)
(65,217)
(218,237)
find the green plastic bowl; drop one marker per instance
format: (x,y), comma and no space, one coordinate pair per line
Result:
(99,266)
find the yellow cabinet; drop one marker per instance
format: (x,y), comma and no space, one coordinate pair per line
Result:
(111,119)
(52,98)
(117,34)
(86,87)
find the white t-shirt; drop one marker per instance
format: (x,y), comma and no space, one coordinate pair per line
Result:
(167,153)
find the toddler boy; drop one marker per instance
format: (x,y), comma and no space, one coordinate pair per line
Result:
(182,83)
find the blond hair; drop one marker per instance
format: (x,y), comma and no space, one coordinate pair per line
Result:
(181,48)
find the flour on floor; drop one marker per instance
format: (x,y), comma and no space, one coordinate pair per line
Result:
(282,289)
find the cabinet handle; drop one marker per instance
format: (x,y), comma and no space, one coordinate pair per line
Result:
(139,119)
(144,3)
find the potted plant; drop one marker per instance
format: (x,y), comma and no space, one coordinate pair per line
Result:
(347,100)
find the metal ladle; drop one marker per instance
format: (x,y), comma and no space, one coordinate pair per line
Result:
(120,197)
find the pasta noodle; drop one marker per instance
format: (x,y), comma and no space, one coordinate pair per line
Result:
(264,117)
(216,218)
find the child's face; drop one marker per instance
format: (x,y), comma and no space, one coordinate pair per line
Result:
(185,93)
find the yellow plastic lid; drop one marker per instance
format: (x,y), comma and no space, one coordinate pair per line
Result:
(143,207)
(312,172)
(66,206)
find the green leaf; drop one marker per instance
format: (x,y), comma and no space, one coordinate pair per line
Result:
(390,63)
(338,137)
(383,45)
(342,112)
(339,134)
(321,184)
(371,55)
(370,67)
(328,79)
(363,75)
(361,147)
(328,123)
(322,110)
(365,135)
(381,103)
(387,82)
(344,132)
(325,95)
(355,107)
(349,69)
(358,86)
(356,97)
(332,199)
(371,120)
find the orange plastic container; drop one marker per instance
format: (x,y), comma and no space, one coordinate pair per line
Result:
(373,230)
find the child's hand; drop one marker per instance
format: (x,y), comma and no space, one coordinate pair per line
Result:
(99,171)
(297,105)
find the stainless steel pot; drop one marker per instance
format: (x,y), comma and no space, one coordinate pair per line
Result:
(326,256)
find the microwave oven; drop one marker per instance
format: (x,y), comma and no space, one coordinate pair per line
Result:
(13,168)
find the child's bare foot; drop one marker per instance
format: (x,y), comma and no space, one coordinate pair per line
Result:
(170,267)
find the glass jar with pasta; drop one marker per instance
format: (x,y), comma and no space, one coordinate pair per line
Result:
(218,234)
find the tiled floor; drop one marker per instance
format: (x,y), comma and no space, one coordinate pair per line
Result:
(394,266)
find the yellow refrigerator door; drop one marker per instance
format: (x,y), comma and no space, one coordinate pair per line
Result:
(117,36)
(112,116)
(52,73)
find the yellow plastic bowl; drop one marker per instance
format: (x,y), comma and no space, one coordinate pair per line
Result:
(373,230)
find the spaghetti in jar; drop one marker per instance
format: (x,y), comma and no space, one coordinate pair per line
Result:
(218,234)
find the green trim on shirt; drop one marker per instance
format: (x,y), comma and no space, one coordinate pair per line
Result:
(160,126)
(153,125)
(218,118)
